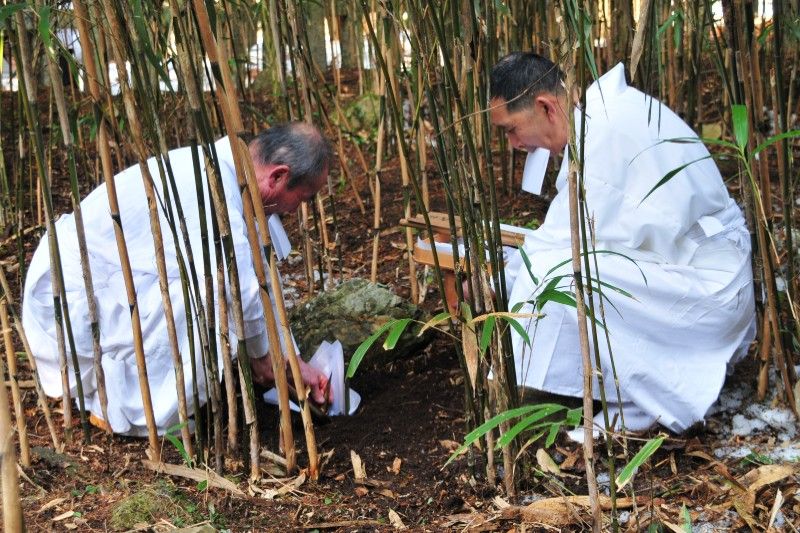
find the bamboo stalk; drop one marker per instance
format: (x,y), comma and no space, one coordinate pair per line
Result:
(252,206)
(575,185)
(60,308)
(65,121)
(40,395)
(155,224)
(11,363)
(13,521)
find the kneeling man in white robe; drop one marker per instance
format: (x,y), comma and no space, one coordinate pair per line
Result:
(682,252)
(291,163)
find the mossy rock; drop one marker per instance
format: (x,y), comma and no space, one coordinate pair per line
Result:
(352,312)
(141,507)
(364,113)
(152,503)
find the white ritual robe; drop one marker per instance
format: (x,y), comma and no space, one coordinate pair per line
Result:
(693,315)
(125,411)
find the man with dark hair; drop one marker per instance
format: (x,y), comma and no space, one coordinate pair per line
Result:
(291,164)
(674,259)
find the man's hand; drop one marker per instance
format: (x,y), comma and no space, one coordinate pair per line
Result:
(321,392)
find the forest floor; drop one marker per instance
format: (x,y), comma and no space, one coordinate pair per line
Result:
(738,472)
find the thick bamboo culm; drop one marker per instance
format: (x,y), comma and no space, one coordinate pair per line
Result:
(60,305)
(13,521)
(16,399)
(65,123)
(108,176)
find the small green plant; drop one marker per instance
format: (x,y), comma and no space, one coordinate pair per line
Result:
(758,459)
(172,436)
(687,519)
(536,419)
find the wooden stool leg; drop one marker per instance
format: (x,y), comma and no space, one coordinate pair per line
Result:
(449,279)
(450,294)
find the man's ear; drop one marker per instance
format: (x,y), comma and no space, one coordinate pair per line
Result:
(551,105)
(279,175)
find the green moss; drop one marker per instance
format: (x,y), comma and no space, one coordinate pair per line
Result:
(146,506)
(138,508)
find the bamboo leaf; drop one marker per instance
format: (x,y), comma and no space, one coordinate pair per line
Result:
(394,335)
(740,123)
(690,140)
(362,349)
(44,28)
(438,319)
(603,252)
(486,334)
(671,174)
(551,435)
(687,519)
(9,10)
(638,460)
(489,425)
(574,416)
(775,138)
(526,260)
(528,422)
(519,329)
(555,296)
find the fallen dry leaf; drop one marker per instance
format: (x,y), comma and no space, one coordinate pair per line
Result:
(386,492)
(64,516)
(395,520)
(361,491)
(287,488)
(51,504)
(358,466)
(674,527)
(766,475)
(776,506)
(396,464)
(563,511)
(546,462)
(449,445)
(570,459)
(500,503)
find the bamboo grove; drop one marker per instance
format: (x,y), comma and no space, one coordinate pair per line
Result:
(191,78)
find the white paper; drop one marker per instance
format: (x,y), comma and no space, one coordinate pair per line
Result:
(328,359)
(280,241)
(535,169)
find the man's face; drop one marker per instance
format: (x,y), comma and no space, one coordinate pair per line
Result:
(275,193)
(542,124)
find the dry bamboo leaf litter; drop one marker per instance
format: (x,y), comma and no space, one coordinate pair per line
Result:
(395,520)
(359,472)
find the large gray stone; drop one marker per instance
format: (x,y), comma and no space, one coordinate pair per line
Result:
(352,312)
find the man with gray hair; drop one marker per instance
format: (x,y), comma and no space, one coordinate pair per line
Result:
(674,254)
(291,163)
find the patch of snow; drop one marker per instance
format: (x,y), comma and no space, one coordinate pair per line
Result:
(778,418)
(528,499)
(723,524)
(624,516)
(780,284)
(741,425)
(786,454)
(736,452)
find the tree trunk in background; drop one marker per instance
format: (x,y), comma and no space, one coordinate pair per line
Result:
(621,30)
